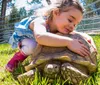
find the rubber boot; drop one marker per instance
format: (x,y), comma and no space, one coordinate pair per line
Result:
(16,59)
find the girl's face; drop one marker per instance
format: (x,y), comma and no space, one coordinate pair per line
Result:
(65,22)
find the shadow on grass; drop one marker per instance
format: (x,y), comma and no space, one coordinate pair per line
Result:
(7,51)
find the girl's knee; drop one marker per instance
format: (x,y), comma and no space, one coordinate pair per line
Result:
(32,44)
(28,46)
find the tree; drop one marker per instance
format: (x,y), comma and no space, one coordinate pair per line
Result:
(14,17)
(0,6)
(34,1)
(2,17)
(3,7)
(3,4)
(92,5)
(97,5)
(22,12)
(34,5)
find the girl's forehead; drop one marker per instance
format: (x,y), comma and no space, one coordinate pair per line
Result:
(75,14)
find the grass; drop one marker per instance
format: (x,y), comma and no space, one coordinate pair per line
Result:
(6,78)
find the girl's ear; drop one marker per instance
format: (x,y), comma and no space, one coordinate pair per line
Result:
(56,12)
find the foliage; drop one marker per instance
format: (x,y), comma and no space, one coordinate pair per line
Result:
(14,15)
(5,4)
(22,12)
(92,5)
(34,1)
(0,6)
(34,5)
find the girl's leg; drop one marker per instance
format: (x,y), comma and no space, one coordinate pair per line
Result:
(26,48)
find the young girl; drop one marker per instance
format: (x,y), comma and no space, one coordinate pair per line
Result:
(62,16)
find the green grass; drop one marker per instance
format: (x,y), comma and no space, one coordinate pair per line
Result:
(6,78)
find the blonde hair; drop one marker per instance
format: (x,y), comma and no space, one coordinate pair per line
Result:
(61,4)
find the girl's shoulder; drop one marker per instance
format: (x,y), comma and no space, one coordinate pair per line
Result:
(40,20)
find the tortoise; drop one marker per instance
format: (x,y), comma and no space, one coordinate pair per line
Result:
(53,61)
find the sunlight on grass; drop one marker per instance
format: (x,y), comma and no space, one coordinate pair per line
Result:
(6,52)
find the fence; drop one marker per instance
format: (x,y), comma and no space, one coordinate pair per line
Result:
(90,22)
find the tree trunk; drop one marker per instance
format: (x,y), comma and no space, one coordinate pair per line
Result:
(2,18)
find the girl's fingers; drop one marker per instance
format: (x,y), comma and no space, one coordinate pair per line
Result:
(86,52)
(82,54)
(83,46)
(80,41)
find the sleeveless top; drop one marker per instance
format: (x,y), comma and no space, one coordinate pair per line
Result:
(22,31)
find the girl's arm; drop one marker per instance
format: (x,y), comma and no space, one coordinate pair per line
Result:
(49,39)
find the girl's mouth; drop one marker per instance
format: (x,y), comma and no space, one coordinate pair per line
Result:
(67,30)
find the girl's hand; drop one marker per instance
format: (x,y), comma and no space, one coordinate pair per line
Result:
(77,46)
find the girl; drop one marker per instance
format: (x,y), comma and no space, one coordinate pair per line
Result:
(62,16)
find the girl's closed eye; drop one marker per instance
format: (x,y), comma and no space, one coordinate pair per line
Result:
(70,20)
(75,25)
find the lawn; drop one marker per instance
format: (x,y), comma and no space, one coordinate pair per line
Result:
(6,78)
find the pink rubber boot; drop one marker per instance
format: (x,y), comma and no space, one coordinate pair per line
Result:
(13,63)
